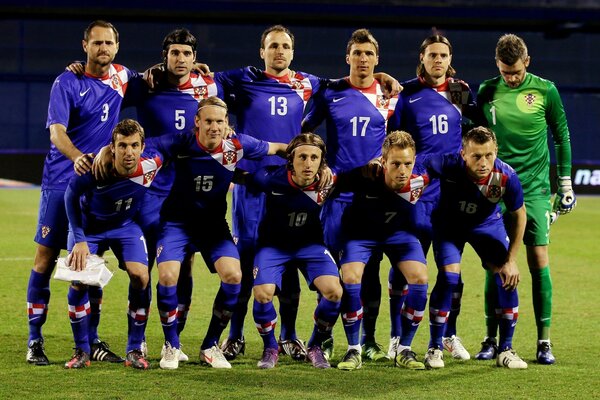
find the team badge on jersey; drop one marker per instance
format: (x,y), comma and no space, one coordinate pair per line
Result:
(45,231)
(494,186)
(230,153)
(413,191)
(115,82)
(200,92)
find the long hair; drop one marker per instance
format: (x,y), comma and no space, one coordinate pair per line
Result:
(431,40)
(309,139)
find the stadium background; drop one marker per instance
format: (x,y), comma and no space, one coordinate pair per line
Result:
(41,37)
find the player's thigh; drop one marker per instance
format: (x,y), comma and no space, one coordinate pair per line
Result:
(537,230)
(405,252)
(247,211)
(448,246)
(269,266)
(331,217)
(319,263)
(490,242)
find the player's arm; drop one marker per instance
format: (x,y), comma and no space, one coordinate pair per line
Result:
(565,200)
(277,149)
(81,162)
(391,86)
(78,257)
(509,272)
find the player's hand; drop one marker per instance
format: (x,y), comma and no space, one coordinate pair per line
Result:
(202,69)
(229,132)
(154,75)
(325,178)
(391,87)
(103,164)
(553,217)
(509,274)
(373,170)
(83,163)
(76,67)
(565,200)
(291,74)
(77,259)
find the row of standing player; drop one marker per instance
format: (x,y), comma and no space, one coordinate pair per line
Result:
(277,50)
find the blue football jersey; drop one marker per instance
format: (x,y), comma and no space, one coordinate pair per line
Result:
(267,107)
(356,122)
(377,212)
(202,176)
(89,107)
(169,109)
(465,202)
(97,206)
(292,217)
(433,116)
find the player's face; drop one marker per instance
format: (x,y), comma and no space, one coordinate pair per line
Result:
(398,167)
(278,52)
(479,158)
(101,47)
(362,60)
(211,122)
(180,60)
(436,59)
(514,74)
(307,160)
(127,151)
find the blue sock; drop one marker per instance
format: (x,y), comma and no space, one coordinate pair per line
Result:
(185,286)
(265,319)
(397,289)
(223,307)
(508,308)
(412,312)
(79,311)
(352,312)
(439,306)
(236,325)
(289,301)
(166,298)
(95,293)
(137,317)
(454,308)
(370,295)
(326,314)
(38,297)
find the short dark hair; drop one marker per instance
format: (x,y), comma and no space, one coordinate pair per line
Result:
(102,24)
(479,135)
(180,36)
(429,41)
(399,139)
(510,49)
(309,139)
(361,36)
(275,28)
(128,127)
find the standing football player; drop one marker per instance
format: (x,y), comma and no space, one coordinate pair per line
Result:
(431,107)
(82,113)
(356,112)
(520,107)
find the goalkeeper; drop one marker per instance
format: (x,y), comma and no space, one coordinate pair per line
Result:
(520,107)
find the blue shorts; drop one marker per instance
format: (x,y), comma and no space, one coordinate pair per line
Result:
(331,217)
(315,261)
(149,214)
(401,246)
(53,224)
(127,243)
(490,242)
(212,240)
(247,211)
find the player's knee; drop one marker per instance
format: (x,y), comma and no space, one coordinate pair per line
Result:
(45,259)
(333,293)
(168,277)
(263,294)
(232,276)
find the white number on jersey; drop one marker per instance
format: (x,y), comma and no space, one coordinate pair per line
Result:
(204,183)
(119,204)
(297,219)
(143,239)
(180,119)
(439,124)
(278,105)
(363,122)
(105,109)
(469,208)
(493,112)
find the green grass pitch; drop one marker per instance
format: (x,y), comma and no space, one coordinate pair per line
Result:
(574,252)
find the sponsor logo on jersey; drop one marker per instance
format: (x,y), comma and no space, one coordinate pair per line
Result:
(84,92)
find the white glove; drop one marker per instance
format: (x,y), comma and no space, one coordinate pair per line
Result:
(565,200)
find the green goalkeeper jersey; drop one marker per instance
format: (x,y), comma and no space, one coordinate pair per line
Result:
(520,117)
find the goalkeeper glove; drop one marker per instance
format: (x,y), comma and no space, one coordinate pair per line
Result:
(564,201)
